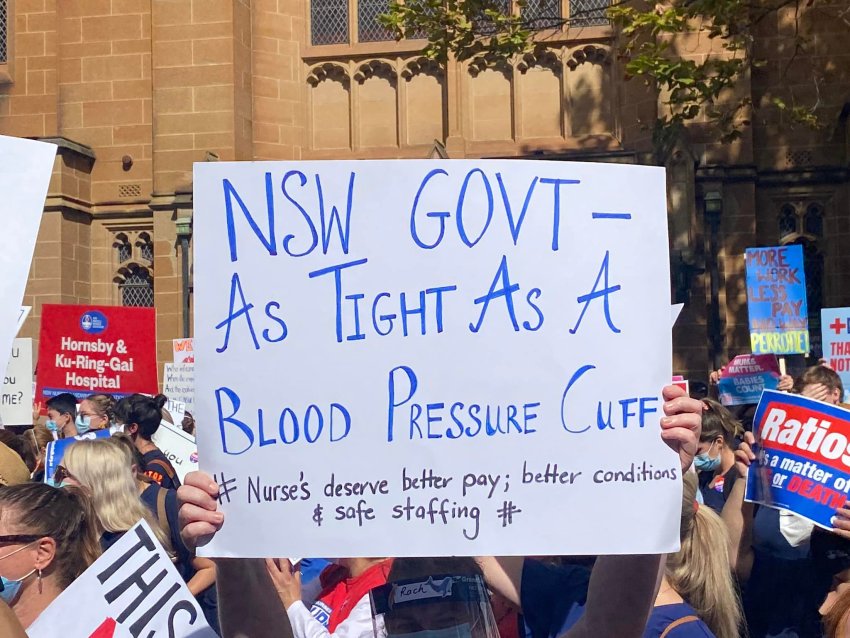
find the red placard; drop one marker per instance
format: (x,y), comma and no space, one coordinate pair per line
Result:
(87,349)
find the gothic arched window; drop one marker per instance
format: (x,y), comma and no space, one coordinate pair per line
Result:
(136,288)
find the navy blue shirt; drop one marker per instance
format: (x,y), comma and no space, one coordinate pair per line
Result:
(552,597)
(780,594)
(159,469)
(663,616)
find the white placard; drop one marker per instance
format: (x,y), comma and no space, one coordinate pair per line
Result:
(133,589)
(178,446)
(16,397)
(22,317)
(25,168)
(184,350)
(409,358)
(179,383)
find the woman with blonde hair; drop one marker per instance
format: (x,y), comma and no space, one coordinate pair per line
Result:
(122,495)
(104,468)
(698,596)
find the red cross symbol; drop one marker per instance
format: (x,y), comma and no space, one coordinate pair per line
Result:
(838,326)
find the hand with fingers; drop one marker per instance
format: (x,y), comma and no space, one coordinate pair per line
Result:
(286,579)
(817,391)
(786,383)
(682,423)
(841,521)
(199,518)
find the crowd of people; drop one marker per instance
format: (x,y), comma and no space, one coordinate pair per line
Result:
(742,570)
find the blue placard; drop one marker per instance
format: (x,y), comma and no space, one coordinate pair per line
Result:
(745,390)
(776,300)
(802,460)
(56,450)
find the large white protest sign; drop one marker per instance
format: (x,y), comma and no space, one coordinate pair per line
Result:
(25,168)
(133,589)
(406,358)
(179,447)
(16,397)
(178,383)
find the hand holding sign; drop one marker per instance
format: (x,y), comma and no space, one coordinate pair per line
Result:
(681,426)
(199,518)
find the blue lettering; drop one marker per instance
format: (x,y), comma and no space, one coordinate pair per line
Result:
(337,271)
(515,226)
(229,195)
(406,312)
(578,374)
(434,419)
(528,415)
(534,292)
(344,234)
(244,309)
(357,334)
(260,423)
(288,239)
(474,410)
(450,433)
(313,409)
(645,409)
(393,404)
(460,201)
(234,406)
(556,215)
(441,215)
(386,318)
(282,426)
(283,329)
(595,294)
(346,418)
(625,403)
(507,291)
(415,413)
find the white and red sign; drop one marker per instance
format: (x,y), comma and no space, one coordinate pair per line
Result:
(88,349)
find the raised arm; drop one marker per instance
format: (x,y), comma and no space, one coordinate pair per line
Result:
(503,576)
(248,605)
(623,588)
(738,515)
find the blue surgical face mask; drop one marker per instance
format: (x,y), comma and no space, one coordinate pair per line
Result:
(83,424)
(51,425)
(705,463)
(11,588)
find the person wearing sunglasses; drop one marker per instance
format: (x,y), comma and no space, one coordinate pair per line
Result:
(48,538)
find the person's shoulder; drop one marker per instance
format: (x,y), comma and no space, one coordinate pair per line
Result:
(679,620)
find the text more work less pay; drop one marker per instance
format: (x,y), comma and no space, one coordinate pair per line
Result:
(323,226)
(776,297)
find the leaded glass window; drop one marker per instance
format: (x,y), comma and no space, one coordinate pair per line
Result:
(588,13)
(4,30)
(368,27)
(137,288)
(542,14)
(329,21)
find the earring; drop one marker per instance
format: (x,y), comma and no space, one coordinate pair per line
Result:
(39,581)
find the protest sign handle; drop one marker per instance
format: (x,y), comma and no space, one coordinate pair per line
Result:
(782,366)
